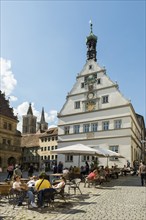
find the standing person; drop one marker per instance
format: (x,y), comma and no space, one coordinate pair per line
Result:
(55,168)
(128,163)
(17,171)
(142,173)
(30,170)
(87,167)
(10,171)
(60,167)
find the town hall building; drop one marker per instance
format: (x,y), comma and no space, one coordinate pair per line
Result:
(96,114)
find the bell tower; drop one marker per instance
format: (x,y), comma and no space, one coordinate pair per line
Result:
(91,41)
(29,122)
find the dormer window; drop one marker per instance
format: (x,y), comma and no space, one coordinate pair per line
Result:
(90,67)
(77,105)
(105,99)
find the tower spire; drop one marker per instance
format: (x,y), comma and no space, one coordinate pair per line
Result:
(42,116)
(29,112)
(42,125)
(91,41)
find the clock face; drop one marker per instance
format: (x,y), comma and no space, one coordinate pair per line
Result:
(90,95)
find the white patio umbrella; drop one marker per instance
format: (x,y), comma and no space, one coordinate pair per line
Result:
(109,153)
(79,149)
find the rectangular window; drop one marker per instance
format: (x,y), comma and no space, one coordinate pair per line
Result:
(77,105)
(10,127)
(115,149)
(86,128)
(94,127)
(66,129)
(68,158)
(117,124)
(48,148)
(105,125)
(105,99)
(52,147)
(99,81)
(82,85)
(5,125)
(85,158)
(9,142)
(76,129)
(4,141)
(52,138)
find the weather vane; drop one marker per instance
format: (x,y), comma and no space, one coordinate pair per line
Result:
(90,22)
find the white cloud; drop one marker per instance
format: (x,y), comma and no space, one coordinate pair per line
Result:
(7,85)
(21,110)
(13,98)
(8,82)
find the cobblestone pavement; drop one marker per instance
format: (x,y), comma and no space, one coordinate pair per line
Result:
(119,199)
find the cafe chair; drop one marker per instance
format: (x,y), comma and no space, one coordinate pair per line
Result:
(75,185)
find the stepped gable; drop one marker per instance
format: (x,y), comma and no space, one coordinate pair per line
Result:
(5,108)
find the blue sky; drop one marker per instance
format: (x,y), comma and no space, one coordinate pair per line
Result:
(43,48)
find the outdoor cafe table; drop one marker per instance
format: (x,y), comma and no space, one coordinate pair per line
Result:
(55,176)
(24,180)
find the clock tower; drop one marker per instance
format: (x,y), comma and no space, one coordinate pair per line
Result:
(91,41)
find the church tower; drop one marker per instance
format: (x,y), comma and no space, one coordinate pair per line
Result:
(29,122)
(42,125)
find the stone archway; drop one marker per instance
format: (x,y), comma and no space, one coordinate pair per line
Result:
(12,160)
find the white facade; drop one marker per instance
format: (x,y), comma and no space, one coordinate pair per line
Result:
(96,114)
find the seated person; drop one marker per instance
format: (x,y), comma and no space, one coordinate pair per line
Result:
(66,173)
(124,170)
(17,185)
(42,182)
(76,170)
(92,175)
(102,174)
(41,186)
(59,185)
(31,183)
